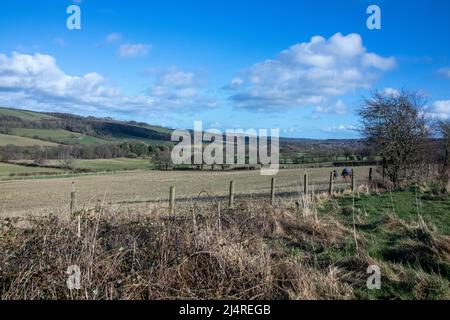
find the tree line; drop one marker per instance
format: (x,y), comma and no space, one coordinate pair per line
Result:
(107,151)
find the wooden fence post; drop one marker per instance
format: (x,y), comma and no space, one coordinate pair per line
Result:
(330,189)
(353,180)
(73,200)
(172,200)
(305,183)
(272,192)
(231,195)
(73,209)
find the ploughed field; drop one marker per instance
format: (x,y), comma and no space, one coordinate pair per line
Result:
(43,196)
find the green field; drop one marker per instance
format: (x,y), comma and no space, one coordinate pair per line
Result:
(23,114)
(7,169)
(433,209)
(100,165)
(23,141)
(119,164)
(60,136)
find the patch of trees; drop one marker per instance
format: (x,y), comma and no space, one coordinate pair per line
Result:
(162,158)
(111,129)
(107,151)
(73,125)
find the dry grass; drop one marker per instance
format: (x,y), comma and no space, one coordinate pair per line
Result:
(202,253)
(253,251)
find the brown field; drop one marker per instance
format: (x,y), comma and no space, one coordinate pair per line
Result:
(43,196)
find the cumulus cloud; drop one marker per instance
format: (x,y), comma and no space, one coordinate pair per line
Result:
(175,88)
(38,77)
(440,110)
(310,73)
(134,50)
(36,81)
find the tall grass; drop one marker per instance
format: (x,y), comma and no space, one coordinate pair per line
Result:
(239,254)
(253,251)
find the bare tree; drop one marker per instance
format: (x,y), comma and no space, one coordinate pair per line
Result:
(347,153)
(365,152)
(66,160)
(163,158)
(396,126)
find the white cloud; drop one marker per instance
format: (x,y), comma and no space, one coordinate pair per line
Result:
(175,88)
(340,128)
(36,81)
(440,110)
(38,77)
(444,72)
(234,84)
(339,108)
(134,50)
(310,73)
(237,82)
(113,37)
(391,92)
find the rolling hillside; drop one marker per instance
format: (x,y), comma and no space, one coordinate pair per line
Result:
(59,136)
(24,114)
(29,128)
(23,142)
(69,129)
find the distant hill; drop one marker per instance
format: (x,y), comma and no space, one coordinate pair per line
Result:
(68,141)
(24,114)
(69,129)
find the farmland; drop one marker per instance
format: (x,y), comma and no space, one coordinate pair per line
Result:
(95,165)
(72,130)
(119,164)
(24,114)
(59,136)
(7,169)
(52,195)
(23,142)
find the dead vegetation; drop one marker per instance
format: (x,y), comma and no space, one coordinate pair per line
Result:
(251,252)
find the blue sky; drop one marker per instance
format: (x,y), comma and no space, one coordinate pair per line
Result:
(301,66)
